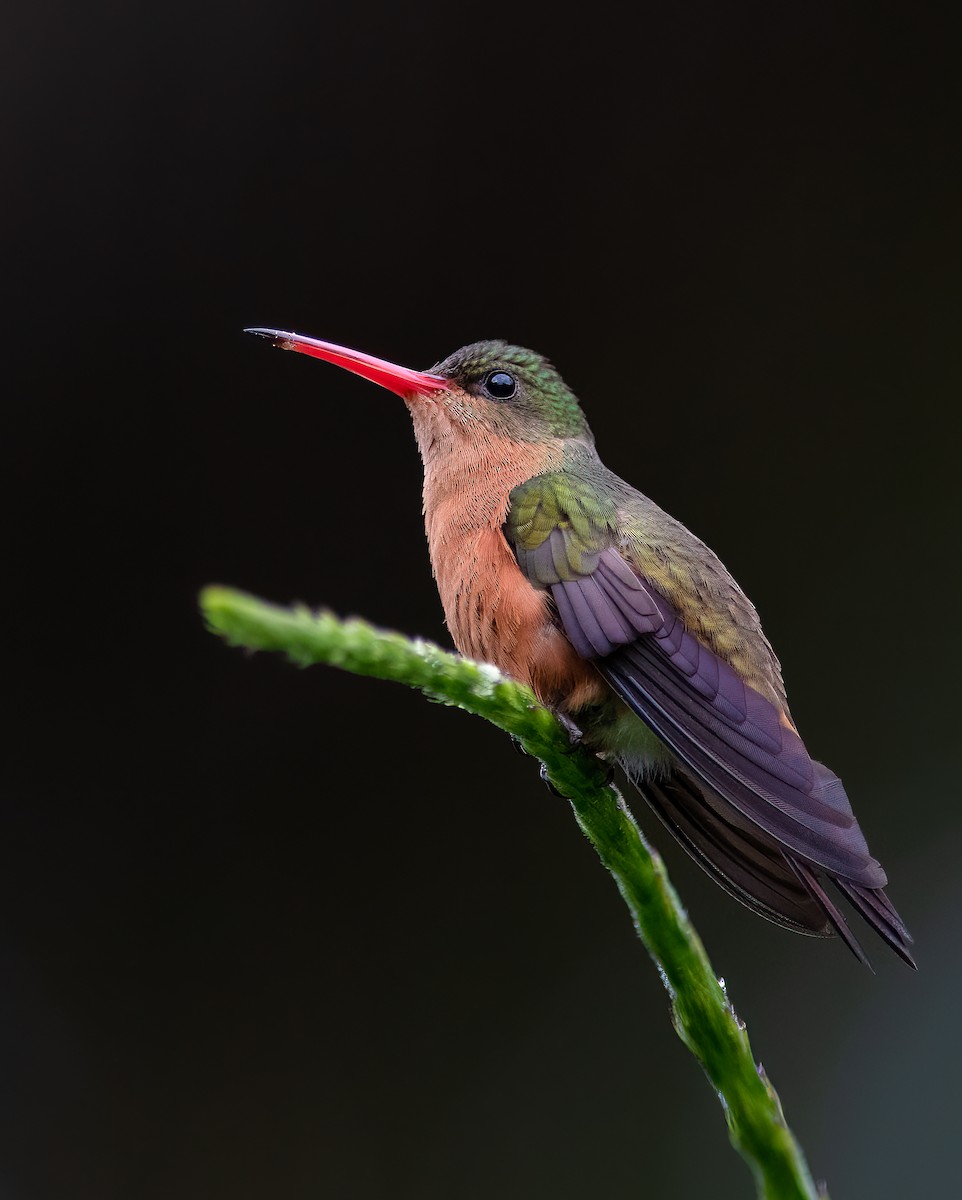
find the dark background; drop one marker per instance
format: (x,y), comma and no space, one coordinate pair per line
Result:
(270,933)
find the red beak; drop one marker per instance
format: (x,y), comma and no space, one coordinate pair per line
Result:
(400,380)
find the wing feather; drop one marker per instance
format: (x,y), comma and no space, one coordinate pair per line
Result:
(746,798)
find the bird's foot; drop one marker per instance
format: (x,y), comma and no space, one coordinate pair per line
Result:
(575,734)
(576,739)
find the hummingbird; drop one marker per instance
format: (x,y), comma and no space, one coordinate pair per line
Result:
(629,628)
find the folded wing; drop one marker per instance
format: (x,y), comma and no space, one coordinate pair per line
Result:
(746,799)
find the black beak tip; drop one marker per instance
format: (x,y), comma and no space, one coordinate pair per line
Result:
(277,336)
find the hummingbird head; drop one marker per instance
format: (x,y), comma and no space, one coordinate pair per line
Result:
(514,391)
(488,388)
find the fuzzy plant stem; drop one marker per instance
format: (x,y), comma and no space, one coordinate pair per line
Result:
(701,1011)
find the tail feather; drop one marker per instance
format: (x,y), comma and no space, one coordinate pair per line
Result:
(877,910)
(808,878)
(746,862)
(757,869)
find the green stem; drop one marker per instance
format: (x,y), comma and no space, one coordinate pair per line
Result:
(701,1011)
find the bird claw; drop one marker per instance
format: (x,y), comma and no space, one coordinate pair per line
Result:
(575,735)
(543,772)
(576,742)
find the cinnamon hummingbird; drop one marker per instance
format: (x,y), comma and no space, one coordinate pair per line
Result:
(629,627)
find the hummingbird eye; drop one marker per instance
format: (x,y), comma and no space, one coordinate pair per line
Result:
(499,385)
